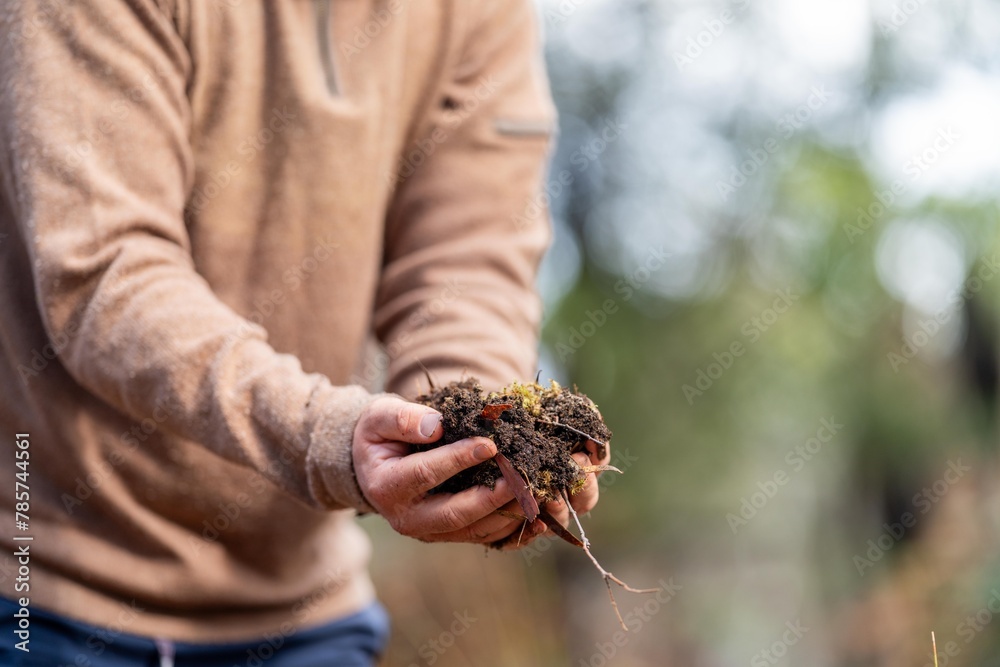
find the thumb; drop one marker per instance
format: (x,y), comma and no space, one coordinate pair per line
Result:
(392,418)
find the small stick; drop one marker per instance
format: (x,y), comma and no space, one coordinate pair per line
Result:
(427,374)
(934,644)
(517,517)
(524,525)
(577,431)
(608,577)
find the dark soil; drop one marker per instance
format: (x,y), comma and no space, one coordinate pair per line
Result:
(532,432)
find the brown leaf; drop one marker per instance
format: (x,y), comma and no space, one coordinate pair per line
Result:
(558,529)
(493,412)
(520,487)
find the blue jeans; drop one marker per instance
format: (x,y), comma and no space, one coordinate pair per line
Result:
(354,641)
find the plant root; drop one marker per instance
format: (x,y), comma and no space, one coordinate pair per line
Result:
(608,577)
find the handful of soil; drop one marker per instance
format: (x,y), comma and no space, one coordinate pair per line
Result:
(537,430)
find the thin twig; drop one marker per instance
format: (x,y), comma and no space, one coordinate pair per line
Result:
(427,374)
(934,644)
(608,577)
(570,428)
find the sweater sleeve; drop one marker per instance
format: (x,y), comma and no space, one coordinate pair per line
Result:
(97,165)
(469,224)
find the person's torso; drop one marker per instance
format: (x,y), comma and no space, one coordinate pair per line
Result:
(302,112)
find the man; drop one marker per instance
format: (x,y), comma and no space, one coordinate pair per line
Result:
(206,209)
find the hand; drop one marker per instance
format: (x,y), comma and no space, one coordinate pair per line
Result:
(396,482)
(586,498)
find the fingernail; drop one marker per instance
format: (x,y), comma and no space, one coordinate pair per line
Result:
(484,452)
(429,424)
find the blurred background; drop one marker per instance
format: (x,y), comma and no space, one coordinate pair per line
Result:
(776,271)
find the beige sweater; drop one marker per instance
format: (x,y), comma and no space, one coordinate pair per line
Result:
(206,209)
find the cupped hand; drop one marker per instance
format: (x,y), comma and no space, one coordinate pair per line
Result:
(396,480)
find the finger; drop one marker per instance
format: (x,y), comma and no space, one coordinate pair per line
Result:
(514,507)
(593,451)
(492,528)
(585,499)
(393,419)
(525,533)
(448,512)
(487,530)
(416,474)
(522,538)
(558,511)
